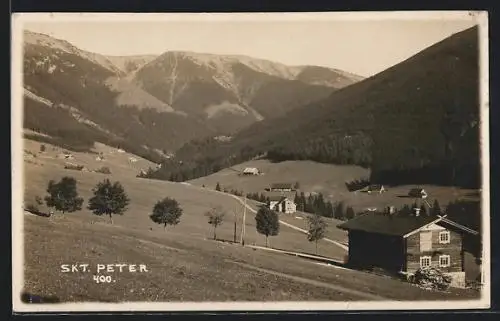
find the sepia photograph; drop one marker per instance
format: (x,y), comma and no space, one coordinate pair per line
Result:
(250,161)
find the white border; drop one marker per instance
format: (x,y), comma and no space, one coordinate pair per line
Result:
(18,19)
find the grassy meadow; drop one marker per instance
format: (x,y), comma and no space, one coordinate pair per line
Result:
(184,263)
(327,179)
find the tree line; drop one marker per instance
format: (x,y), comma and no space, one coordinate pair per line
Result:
(312,203)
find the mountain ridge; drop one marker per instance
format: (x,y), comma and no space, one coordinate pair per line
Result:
(414,122)
(119,93)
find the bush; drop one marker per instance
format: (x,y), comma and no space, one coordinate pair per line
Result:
(104,170)
(431,278)
(73,167)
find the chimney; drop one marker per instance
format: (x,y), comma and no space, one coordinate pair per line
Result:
(417,211)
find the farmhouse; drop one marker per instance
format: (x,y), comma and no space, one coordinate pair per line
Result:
(417,193)
(376,189)
(250,171)
(403,244)
(281,203)
(281,187)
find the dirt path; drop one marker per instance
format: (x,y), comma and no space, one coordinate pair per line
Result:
(360,294)
(344,247)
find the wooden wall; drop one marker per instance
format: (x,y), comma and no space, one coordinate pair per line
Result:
(454,249)
(376,250)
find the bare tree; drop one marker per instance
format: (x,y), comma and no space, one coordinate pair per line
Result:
(215,218)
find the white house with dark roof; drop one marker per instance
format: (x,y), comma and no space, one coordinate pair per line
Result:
(282,204)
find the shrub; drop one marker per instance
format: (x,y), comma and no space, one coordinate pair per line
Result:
(431,278)
(73,167)
(104,170)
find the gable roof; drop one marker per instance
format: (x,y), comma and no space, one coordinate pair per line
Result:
(381,223)
(278,196)
(396,225)
(281,185)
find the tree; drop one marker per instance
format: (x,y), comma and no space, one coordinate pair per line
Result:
(42,148)
(423,210)
(349,213)
(109,198)
(267,222)
(338,212)
(296,186)
(405,210)
(329,209)
(63,196)
(217,187)
(436,208)
(317,229)
(215,218)
(166,211)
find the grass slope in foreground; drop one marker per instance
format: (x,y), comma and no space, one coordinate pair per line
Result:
(183,265)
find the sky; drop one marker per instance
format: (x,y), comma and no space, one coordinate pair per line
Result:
(361,46)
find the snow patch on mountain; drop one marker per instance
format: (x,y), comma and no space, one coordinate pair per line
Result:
(214,110)
(35,97)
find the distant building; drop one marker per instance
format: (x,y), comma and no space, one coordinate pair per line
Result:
(376,188)
(281,187)
(417,193)
(250,171)
(282,204)
(132,159)
(405,243)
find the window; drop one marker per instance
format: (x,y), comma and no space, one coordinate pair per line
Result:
(444,237)
(444,260)
(425,261)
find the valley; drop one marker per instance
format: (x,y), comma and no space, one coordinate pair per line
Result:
(226,177)
(183,257)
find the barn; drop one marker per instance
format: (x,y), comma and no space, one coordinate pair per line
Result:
(250,171)
(404,243)
(281,187)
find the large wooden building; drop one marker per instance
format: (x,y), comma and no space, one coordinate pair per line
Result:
(403,244)
(281,187)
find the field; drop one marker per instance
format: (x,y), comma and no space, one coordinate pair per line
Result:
(183,262)
(327,179)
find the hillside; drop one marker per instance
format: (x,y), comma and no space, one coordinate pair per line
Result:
(327,179)
(145,103)
(414,123)
(183,262)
